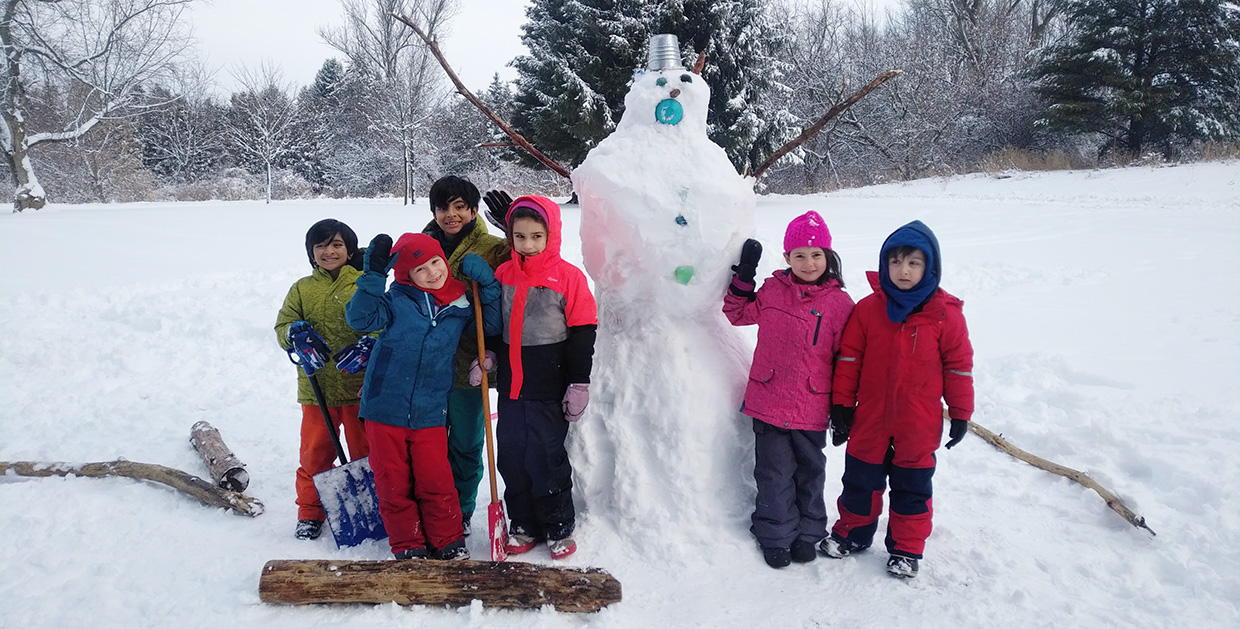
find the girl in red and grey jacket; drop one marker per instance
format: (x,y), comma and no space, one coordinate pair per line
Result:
(550,320)
(905,351)
(800,313)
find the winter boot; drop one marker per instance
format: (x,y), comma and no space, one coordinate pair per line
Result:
(411,553)
(309,529)
(465,518)
(776,556)
(839,548)
(803,551)
(561,548)
(902,567)
(455,550)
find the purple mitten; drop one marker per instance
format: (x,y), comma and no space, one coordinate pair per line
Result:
(475,373)
(575,400)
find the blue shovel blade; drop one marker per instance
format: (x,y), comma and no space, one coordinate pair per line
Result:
(348,496)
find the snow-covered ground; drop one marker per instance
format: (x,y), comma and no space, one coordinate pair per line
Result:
(1105,314)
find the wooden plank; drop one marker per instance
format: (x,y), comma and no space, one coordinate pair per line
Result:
(430,582)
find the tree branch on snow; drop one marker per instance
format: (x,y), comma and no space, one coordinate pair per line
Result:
(460,88)
(181,481)
(1111,499)
(813,129)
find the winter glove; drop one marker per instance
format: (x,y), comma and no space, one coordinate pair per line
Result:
(498,203)
(575,401)
(475,372)
(379,256)
(307,349)
(353,358)
(841,423)
(477,269)
(957,432)
(751,252)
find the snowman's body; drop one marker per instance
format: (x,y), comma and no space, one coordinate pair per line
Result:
(663,217)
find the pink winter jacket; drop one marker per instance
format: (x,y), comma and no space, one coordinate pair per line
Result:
(799,331)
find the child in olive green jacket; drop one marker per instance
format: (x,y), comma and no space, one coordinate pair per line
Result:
(319,299)
(454,203)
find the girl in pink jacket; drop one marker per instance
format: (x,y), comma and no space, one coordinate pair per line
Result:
(800,313)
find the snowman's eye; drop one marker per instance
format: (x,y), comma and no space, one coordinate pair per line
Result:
(661,82)
(685,78)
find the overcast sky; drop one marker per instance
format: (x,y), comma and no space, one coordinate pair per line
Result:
(483,37)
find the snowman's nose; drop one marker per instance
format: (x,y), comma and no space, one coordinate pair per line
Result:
(675,93)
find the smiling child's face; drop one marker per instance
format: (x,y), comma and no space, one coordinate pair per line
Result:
(906,272)
(529,237)
(331,254)
(455,217)
(431,275)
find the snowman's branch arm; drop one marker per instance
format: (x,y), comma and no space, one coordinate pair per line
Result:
(460,87)
(813,129)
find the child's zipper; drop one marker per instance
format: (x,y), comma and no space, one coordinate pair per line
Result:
(817,324)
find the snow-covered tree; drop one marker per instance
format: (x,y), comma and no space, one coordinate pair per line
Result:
(1145,72)
(183,135)
(260,121)
(391,59)
(109,47)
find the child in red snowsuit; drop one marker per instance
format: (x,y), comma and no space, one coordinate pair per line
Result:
(905,350)
(800,313)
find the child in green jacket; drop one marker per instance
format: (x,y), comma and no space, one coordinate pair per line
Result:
(454,203)
(319,299)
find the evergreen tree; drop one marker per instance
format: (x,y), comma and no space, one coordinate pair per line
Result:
(571,87)
(1144,72)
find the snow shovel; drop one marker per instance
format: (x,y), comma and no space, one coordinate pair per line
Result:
(497,522)
(347,492)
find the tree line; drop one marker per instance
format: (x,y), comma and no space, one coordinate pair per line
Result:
(103,101)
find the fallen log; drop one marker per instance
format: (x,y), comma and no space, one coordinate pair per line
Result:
(181,481)
(1111,499)
(429,582)
(226,469)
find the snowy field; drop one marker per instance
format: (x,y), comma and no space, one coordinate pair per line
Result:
(1104,309)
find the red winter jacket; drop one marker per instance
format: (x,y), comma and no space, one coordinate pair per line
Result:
(899,374)
(799,329)
(550,318)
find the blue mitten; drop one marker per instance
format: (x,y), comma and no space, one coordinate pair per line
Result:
(308,349)
(353,358)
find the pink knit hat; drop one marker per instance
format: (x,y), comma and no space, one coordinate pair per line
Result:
(807,230)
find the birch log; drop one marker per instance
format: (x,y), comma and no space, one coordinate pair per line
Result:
(181,481)
(430,582)
(226,470)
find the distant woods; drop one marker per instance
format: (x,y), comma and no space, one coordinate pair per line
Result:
(126,113)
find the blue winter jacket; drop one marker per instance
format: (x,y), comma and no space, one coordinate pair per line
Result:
(410,371)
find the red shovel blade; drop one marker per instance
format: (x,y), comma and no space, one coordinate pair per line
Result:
(499,531)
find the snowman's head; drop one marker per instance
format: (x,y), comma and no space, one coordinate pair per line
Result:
(666,95)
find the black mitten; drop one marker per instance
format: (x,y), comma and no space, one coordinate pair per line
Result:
(751,253)
(379,254)
(841,423)
(957,432)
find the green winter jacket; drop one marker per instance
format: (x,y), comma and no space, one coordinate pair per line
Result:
(320,300)
(495,251)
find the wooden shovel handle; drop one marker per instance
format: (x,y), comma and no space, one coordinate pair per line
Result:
(486,392)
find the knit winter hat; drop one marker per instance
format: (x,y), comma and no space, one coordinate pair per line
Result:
(807,230)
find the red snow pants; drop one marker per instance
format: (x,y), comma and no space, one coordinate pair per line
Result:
(318,453)
(417,498)
(866,473)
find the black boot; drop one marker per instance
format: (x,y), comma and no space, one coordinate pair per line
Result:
(803,551)
(309,529)
(902,567)
(776,557)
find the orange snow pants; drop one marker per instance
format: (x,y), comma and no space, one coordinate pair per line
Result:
(318,453)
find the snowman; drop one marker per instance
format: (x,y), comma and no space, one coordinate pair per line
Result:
(664,453)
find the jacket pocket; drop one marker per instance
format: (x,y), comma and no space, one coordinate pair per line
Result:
(820,383)
(761,373)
